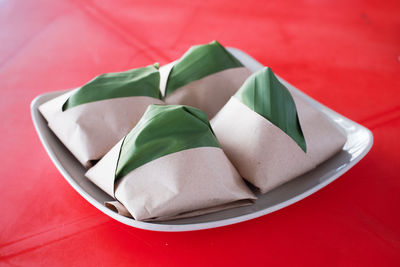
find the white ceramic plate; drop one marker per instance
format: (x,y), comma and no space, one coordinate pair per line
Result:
(359,142)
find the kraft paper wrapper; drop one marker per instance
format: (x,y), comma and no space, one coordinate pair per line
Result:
(186,183)
(90,130)
(116,206)
(209,93)
(265,155)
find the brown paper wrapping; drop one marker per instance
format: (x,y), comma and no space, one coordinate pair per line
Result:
(117,207)
(266,156)
(182,184)
(90,130)
(209,93)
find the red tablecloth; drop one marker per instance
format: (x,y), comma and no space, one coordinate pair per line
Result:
(345,54)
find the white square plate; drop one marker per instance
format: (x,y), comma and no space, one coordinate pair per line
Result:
(359,142)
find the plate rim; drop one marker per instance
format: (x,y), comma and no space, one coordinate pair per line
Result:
(242,56)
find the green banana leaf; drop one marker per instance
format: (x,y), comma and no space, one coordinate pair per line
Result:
(266,95)
(136,82)
(161,131)
(198,62)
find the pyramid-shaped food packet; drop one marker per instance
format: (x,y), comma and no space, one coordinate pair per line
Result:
(170,165)
(90,120)
(205,77)
(273,135)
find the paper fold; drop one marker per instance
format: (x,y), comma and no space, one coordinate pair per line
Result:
(186,183)
(90,130)
(209,93)
(263,154)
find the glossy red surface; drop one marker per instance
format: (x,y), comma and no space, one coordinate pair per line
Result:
(345,54)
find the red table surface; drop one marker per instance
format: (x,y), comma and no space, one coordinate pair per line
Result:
(345,54)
